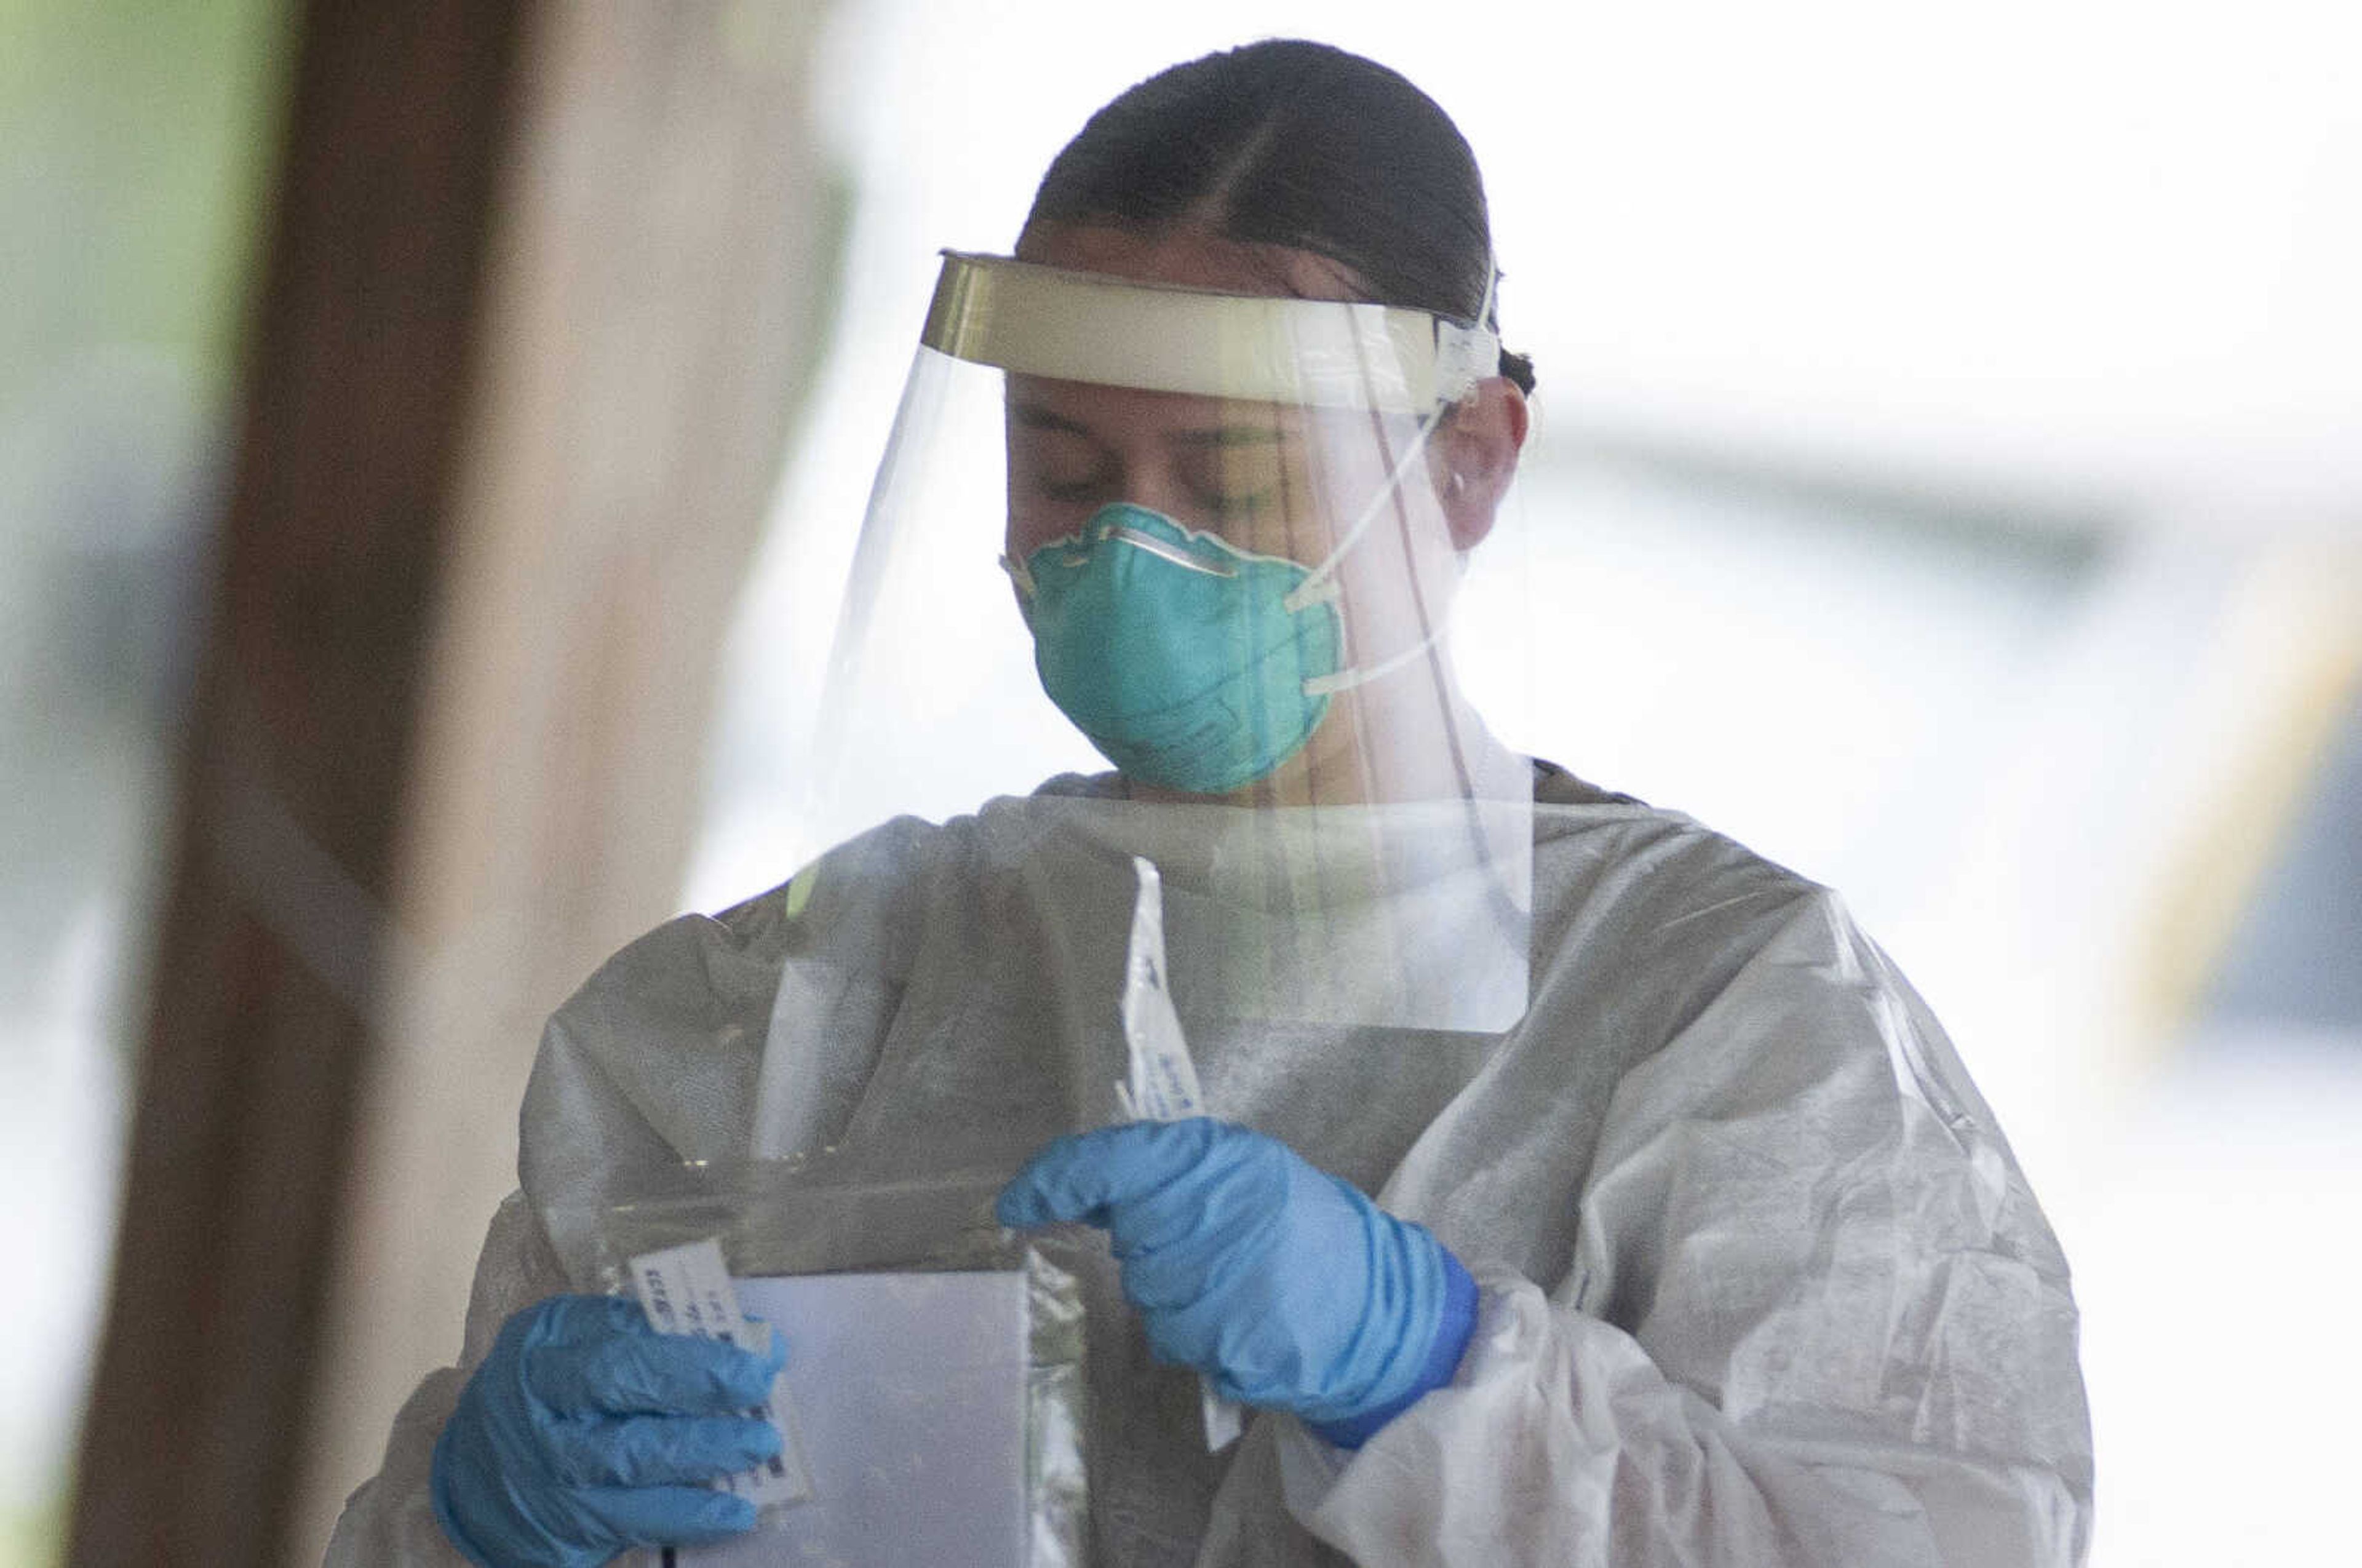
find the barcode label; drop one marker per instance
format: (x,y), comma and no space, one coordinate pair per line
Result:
(686,1290)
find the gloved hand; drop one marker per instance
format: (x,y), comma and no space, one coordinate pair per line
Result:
(1283,1284)
(585,1432)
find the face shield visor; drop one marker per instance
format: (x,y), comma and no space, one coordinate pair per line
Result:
(1230,532)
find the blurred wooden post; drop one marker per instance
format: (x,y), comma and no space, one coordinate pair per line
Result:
(447,742)
(301,733)
(653,313)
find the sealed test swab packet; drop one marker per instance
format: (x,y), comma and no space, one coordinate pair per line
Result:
(934,1398)
(1163,1081)
(911,1392)
(686,1290)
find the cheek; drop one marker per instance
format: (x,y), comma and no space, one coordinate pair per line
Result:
(1034,524)
(1297,532)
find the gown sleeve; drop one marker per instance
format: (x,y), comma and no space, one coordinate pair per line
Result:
(656,1059)
(1815,1315)
(389,1519)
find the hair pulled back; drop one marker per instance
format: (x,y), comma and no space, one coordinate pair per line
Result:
(1299,144)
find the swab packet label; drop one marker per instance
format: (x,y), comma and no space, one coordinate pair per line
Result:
(686,1290)
(1162,1081)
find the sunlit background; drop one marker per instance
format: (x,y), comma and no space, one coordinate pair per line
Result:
(1947,481)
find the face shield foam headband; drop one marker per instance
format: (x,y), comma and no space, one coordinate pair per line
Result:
(1187,661)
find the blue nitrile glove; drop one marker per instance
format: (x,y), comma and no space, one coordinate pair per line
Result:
(1283,1284)
(585,1432)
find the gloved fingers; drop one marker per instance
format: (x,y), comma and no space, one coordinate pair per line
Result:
(586,1319)
(667,1516)
(1084,1176)
(652,1451)
(1180,1339)
(639,1371)
(1198,1262)
(1229,1207)
(1252,1362)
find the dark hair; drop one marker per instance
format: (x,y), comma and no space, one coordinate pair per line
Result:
(1288,142)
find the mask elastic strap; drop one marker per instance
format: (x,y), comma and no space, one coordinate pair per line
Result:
(1309,589)
(1306,593)
(1346,679)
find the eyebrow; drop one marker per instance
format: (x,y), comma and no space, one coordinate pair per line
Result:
(1034,416)
(1229,435)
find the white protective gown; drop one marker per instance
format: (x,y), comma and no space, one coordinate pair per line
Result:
(1762,1282)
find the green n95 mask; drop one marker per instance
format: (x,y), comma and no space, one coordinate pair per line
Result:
(1187,661)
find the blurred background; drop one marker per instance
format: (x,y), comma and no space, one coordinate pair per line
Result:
(1947,481)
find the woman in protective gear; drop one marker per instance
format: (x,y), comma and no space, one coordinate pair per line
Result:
(1585,1189)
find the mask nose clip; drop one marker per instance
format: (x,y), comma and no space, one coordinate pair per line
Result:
(1139,539)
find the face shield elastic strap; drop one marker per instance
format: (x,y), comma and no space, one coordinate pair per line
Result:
(1320,584)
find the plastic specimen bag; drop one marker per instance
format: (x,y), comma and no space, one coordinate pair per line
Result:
(933,1392)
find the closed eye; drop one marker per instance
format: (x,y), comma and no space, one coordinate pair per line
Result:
(1057,460)
(1235,473)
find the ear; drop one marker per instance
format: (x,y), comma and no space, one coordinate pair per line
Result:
(1476,448)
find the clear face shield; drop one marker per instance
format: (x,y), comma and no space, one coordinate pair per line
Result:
(1231,530)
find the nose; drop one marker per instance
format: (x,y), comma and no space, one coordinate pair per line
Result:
(1035,520)
(1154,484)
